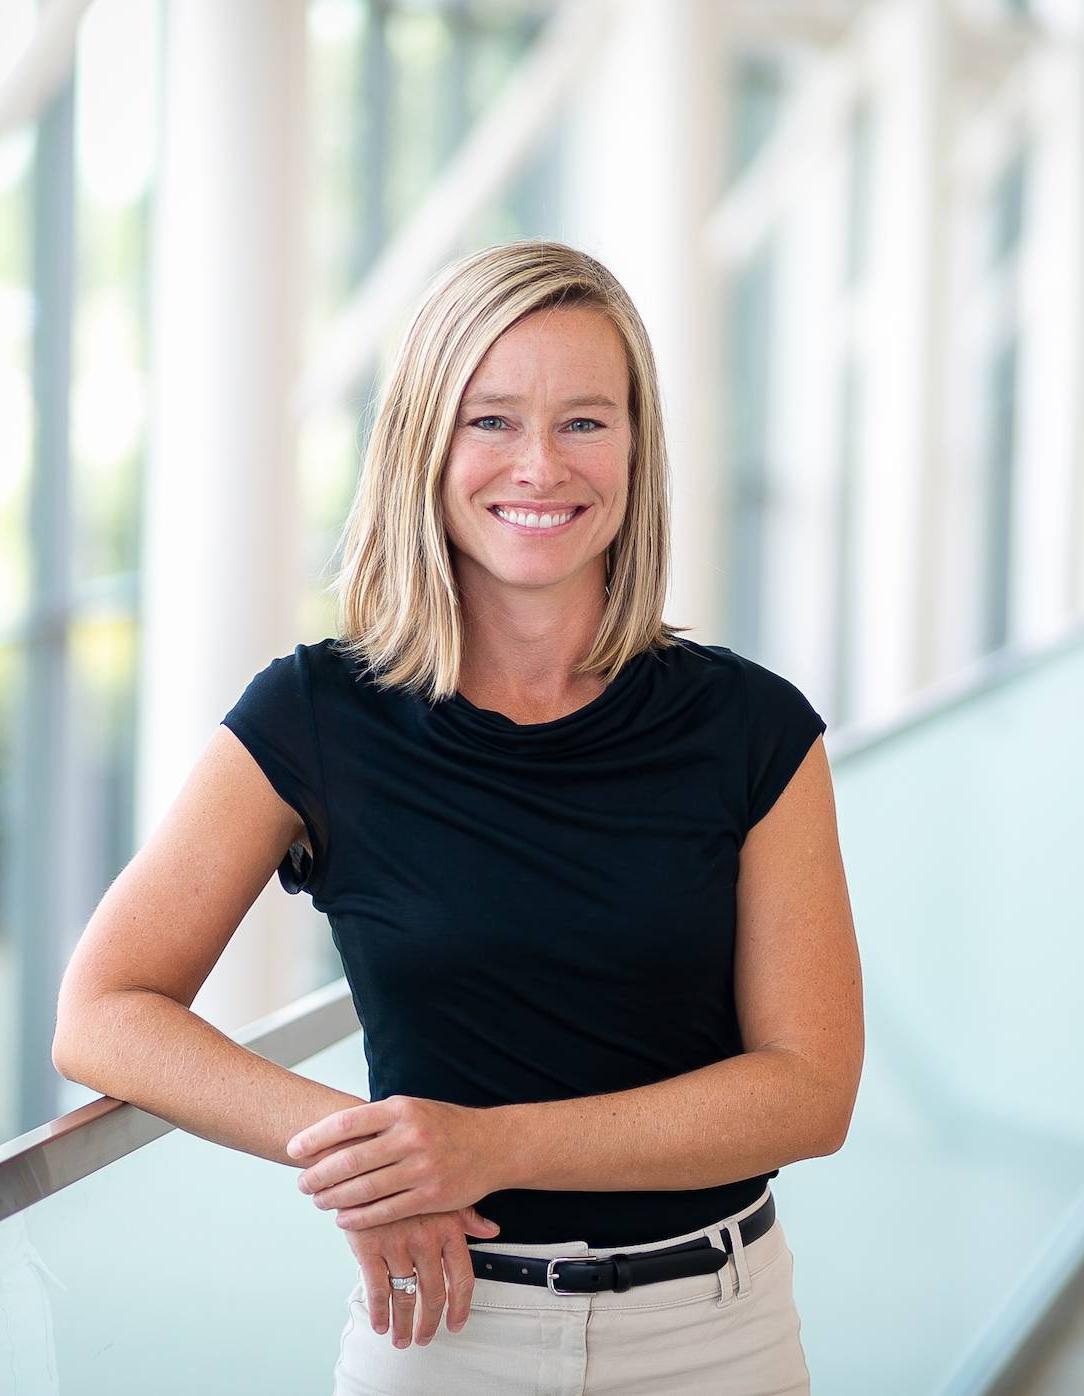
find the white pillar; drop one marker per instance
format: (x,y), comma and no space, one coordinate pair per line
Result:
(903,477)
(808,340)
(1046,529)
(644,150)
(221,568)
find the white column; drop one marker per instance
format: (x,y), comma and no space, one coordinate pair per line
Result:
(1046,529)
(903,477)
(645,155)
(221,565)
(808,343)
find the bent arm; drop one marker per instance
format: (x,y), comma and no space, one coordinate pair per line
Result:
(731,1120)
(144,1047)
(798,994)
(124,1024)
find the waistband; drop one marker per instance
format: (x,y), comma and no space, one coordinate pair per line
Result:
(540,1274)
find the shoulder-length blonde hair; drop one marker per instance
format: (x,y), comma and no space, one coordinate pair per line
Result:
(398,599)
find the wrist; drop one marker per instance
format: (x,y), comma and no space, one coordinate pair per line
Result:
(507,1146)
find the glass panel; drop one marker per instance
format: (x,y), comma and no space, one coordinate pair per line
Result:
(182,1267)
(966,1150)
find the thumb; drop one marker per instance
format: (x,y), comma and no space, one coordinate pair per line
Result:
(476,1224)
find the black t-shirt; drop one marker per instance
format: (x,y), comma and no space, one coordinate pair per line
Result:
(535,911)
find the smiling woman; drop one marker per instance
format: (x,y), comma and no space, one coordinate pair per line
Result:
(582,872)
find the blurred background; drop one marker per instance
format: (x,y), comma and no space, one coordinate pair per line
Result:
(855,231)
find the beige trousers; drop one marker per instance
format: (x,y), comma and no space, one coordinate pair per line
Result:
(734,1332)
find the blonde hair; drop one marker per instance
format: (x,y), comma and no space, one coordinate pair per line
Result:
(398,600)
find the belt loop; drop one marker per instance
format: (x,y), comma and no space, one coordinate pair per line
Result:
(737,1258)
(725,1272)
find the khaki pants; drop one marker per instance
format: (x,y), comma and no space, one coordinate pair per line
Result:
(734,1332)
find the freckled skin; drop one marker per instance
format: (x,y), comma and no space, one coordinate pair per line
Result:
(539,449)
(532,603)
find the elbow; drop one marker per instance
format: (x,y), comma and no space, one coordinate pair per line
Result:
(835,1135)
(832,1144)
(71,1030)
(62,1057)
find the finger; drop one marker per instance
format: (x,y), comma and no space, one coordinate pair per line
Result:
(355,1176)
(349,1159)
(428,1263)
(459,1281)
(348,1123)
(388,1209)
(377,1291)
(399,1262)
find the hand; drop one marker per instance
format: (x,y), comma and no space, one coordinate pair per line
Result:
(387,1160)
(436,1246)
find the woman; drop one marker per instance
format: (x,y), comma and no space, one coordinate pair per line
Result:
(583,875)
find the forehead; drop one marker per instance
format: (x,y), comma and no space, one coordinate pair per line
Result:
(576,347)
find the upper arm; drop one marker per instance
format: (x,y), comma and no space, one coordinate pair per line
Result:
(797,976)
(168,916)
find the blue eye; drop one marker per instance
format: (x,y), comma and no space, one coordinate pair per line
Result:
(589,420)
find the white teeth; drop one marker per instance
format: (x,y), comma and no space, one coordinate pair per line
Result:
(533,520)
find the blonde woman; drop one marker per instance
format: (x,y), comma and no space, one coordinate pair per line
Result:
(583,874)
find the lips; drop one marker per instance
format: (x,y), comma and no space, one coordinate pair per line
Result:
(541,532)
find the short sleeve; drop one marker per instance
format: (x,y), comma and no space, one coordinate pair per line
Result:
(275,719)
(781,726)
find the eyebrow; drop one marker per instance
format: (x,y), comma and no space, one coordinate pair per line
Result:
(491,399)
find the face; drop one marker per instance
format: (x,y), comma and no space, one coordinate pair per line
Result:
(542,430)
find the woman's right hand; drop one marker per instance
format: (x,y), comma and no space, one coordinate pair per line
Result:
(434,1244)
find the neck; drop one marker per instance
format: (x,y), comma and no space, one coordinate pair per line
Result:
(522,643)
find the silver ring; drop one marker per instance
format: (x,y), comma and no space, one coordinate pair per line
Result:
(407,1283)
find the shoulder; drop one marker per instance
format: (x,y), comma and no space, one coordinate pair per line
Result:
(336,659)
(764,690)
(288,688)
(319,667)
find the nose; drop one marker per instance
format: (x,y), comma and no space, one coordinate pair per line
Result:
(540,464)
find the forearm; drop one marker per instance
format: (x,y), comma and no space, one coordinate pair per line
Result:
(733,1119)
(146,1048)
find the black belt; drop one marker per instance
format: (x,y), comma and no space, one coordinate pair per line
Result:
(586,1274)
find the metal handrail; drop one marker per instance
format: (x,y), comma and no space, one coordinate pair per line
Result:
(37,1164)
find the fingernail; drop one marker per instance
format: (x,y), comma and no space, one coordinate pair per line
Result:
(400,1342)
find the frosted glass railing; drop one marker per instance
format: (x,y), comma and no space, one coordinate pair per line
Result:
(932,1240)
(181,1267)
(926,1249)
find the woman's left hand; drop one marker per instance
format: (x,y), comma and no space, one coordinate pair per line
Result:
(385,1160)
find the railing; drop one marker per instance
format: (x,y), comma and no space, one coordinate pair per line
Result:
(930,1251)
(135,1257)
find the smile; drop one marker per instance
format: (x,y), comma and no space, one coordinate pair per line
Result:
(523,521)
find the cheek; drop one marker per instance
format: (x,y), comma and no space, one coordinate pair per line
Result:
(466,472)
(611,479)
